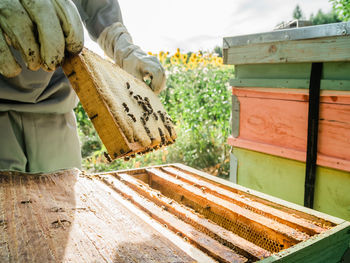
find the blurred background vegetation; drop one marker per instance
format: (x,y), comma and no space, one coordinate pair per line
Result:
(198,99)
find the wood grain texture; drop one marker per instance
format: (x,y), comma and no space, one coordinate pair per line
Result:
(326,248)
(122,217)
(274,121)
(199,239)
(64,217)
(270,200)
(296,71)
(227,214)
(291,75)
(310,50)
(235,242)
(326,84)
(262,209)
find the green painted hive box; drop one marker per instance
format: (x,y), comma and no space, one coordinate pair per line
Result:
(270,115)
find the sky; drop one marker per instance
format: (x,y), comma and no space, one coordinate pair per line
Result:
(193,25)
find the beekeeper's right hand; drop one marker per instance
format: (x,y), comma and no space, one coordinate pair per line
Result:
(41,30)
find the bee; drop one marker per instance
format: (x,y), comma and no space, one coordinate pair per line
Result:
(93,117)
(126,108)
(132,117)
(147,130)
(161,134)
(143,121)
(127,85)
(169,130)
(107,157)
(131,92)
(162,116)
(155,116)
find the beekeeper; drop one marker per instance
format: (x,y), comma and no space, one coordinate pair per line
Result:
(38,130)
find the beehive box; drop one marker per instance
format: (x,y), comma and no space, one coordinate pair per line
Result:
(270,113)
(169,213)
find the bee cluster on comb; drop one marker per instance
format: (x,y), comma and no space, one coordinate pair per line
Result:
(129,118)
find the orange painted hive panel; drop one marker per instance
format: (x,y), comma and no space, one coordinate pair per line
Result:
(274,121)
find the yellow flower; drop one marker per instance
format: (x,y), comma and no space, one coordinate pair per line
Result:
(220,61)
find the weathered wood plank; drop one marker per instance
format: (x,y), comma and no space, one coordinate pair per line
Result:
(216,207)
(326,96)
(205,243)
(285,152)
(280,216)
(327,247)
(270,200)
(67,218)
(224,236)
(185,247)
(326,84)
(274,121)
(294,71)
(309,50)
(291,75)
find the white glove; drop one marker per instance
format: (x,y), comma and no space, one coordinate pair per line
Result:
(41,30)
(116,41)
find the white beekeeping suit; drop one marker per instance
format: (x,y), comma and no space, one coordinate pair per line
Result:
(37,124)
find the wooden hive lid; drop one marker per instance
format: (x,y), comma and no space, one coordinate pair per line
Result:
(306,44)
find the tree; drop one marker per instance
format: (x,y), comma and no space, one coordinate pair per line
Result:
(218,50)
(342,8)
(325,18)
(297,13)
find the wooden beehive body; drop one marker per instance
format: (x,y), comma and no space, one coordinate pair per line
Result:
(270,114)
(169,213)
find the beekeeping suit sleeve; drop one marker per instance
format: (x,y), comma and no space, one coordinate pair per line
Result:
(104,22)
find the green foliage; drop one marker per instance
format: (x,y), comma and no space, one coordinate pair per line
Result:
(199,102)
(297,13)
(218,50)
(90,142)
(342,7)
(324,18)
(320,17)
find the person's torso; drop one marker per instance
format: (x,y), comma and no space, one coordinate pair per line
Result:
(36,91)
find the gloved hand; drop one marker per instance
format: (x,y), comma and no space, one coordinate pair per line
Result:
(41,30)
(116,41)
